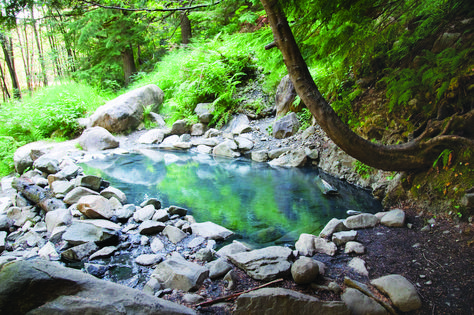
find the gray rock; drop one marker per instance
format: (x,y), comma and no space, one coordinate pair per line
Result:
(360,304)
(97,139)
(259,156)
(79,252)
(211,231)
(335,225)
(88,181)
(144,214)
(151,201)
(276,153)
(321,245)
(112,192)
(272,301)
(243,143)
(308,132)
(190,298)
(3,237)
(42,287)
(150,227)
(361,221)
(169,142)
(125,212)
(304,270)
(204,112)
(177,273)
(305,244)
(95,207)
(402,293)
(103,252)
(61,187)
(226,149)
(180,127)
(74,195)
(57,218)
(204,149)
(313,154)
(151,137)
(205,254)
(126,111)
(96,270)
(198,129)
(174,234)
(286,126)
(358,265)
(285,96)
(211,133)
(156,245)
(340,238)
(239,124)
(264,264)
(29,239)
(49,252)
(149,259)
(81,232)
(354,247)
(394,218)
(161,215)
(294,158)
(232,248)
(5,222)
(218,268)
(47,163)
(172,210)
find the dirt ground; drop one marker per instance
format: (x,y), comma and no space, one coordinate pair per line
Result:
(439,262)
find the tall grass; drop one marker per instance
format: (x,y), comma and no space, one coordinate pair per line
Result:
(50,113)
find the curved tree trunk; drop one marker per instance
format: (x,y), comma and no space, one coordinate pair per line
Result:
(416,154)
(8,52)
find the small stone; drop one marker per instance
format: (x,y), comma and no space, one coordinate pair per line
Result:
(304,270)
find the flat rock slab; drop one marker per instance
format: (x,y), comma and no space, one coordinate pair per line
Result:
(394,218)
(283,301)
(402,293)
(361,221)
(43,287)
(264,264)
(211,231)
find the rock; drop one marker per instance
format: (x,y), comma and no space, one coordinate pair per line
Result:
(304,270)
(196,242)
(48,252)
(283,301)
(204,149)
(284,97)
(210,230)
(144,214)
(321,245)
(96,270)
(61,187)
(218,268)
(89,181)
(180,127)
(259,156)
(204,112)
(264,264)
(354,247)
(402,293)
(29,239)
(294,158)
(125,212)
(172,210)
(174,234)
(177,273)
(148,259)
(205,254)
(81,232)
(152,136)
(150,227)
(97,139)
(361,221)
(394,218)
(47,163)
(77,193)
(126,111)
(95,207)
(152,201)
(360,304)
(79,252)
(211,133)
(308,132)
(198,129)
(243,143)
(276,153)
(239,124)
(359,266)
(3,237)
(232,248)
(190,298)
(42,287)
(57,218)
(161,215)
(169,142)
(226,149)
(340,238)
(335,225)
(112,192)
(156,245)
(103,252)
(286,126)
(312,154)
(305,245)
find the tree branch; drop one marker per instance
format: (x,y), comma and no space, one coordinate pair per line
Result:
(199,6)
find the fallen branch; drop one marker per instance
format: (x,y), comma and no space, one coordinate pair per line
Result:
(235,295)
(364,289)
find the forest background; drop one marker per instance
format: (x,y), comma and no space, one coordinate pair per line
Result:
(386,67)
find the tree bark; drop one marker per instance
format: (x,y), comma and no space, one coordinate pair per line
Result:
(11,67)
(5,93)
(417,154)
(40,50)
(186,33)
(129,66)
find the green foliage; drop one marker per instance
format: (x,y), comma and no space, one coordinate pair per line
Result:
(305,117)
(444,157)
(52,112)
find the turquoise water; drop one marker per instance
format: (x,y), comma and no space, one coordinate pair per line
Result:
(261,204)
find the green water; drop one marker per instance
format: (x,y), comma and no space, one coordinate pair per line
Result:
(261,204)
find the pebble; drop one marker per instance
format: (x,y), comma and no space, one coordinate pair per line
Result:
(429,282)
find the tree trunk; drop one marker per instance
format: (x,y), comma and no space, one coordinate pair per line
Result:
(40,50)
(24,56)
(5,93)
(129,67)
(185,28)
(11,67)
(416,154)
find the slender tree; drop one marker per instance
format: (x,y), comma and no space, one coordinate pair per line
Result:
(9,60)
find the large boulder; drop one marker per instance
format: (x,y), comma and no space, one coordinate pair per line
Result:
(95,207)
(43,287)
(81,232)
(126,111)
(211,230)
(402,293)
(294,158)
(274,301)
(360,304)
(286,126)
(285,96)
(264,264)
